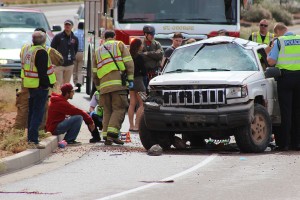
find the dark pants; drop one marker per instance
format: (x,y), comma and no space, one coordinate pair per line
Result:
(288,88)
(37,101)
(98,125)
(71,126)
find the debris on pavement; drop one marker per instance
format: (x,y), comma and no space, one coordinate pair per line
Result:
(155,150)
(168,181)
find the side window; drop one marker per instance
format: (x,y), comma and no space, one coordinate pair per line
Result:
(263,58)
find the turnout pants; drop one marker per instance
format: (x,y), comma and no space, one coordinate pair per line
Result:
(22,110)
(114,105)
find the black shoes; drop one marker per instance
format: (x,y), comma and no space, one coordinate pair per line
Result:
(95,140)
(78,85)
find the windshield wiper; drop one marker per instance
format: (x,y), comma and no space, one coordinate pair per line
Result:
(204,19)
(180,70)
(136,18)
(168,19)
(214,69)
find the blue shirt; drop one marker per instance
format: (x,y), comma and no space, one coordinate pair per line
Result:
(79,33)
(275,50)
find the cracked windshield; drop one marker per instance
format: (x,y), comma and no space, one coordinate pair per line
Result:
(231,57)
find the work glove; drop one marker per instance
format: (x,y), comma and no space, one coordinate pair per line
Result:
(130,84)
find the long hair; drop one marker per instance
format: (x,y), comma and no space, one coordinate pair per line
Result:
(134,47)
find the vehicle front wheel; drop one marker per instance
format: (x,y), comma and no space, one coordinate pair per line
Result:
(147,137)
(255,137)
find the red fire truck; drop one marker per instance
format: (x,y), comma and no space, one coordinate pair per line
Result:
(196,19)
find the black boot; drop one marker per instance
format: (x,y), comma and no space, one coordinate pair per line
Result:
(78,85)
(96,136)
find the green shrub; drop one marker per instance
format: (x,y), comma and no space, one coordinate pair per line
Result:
(256,13)
(281,15)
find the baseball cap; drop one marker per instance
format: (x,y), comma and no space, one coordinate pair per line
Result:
(67,87)
(68,21)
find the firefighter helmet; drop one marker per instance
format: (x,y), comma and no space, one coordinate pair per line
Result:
(149,29)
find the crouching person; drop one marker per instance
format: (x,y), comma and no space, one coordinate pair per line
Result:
(63,117)
(96,112)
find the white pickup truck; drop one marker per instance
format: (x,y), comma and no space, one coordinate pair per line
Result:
(214,88)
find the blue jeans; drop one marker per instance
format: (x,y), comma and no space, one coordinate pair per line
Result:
(37,101)
(71,126)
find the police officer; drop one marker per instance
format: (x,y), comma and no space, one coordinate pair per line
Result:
(22,95)
(263,36)
(111,61)
(285,55)
(38,77)
(152,52)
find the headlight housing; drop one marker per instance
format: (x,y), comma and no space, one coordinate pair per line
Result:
(236,92)
(3,61)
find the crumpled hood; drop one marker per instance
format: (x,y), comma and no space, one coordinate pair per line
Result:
(206,78)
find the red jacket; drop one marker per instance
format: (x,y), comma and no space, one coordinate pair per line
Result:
(59,108)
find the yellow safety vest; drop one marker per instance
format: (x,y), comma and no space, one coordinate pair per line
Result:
(98,109)
(256,37)
(105,63)
(26,48)
(31,77)
(289,53)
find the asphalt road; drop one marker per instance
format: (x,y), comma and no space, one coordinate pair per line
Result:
(127,172)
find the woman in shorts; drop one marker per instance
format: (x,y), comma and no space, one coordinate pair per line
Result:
(136,47)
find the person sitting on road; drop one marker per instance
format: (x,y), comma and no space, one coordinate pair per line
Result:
(63,117)
(96,113)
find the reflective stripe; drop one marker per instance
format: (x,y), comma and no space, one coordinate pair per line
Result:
(288,62)
(130,77)
(104,134)
(256,37)
(108,60)
(113,130)
(289,53)
(127,59)
(110,83)
(30,74)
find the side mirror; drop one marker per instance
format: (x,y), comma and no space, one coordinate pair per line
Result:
(56,28)
(76,17)
(272,72)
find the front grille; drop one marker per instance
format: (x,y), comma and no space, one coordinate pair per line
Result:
(193,97)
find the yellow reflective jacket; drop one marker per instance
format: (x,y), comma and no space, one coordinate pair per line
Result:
(289,53)
(106,74)
(30,73)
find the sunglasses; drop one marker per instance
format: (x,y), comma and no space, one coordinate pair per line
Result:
(263,25)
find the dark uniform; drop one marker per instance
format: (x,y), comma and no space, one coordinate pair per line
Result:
(288,88)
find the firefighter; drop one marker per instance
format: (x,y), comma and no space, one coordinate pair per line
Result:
(111,61)
(263,36)
(152,53)
(22,95)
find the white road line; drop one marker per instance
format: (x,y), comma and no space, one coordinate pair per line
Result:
(199,165)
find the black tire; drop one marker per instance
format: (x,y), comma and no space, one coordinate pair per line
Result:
(89,84)
(147,137)
(255,137)
(197,141)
